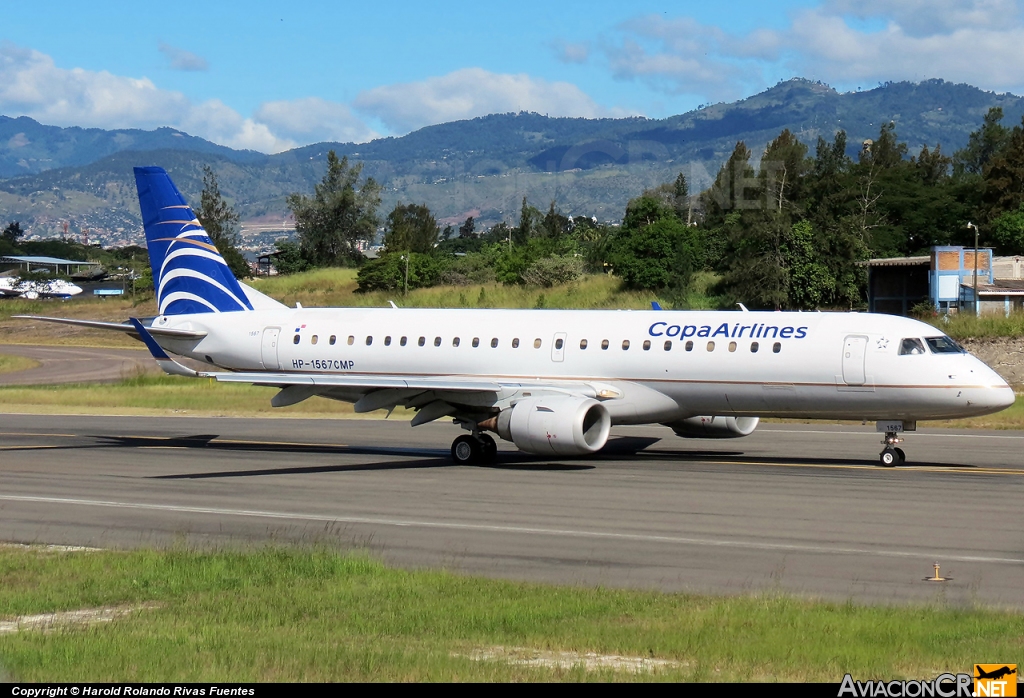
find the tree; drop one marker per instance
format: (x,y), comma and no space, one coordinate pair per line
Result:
(341,213)
(467,229)
(218,220)
(886,151)
(982,145)
(12,232)
(410,228)
(528,216)
(783,168)
(654,249)
(1008,232)
(681,199)
(735,187)
(554,224)
(288,259)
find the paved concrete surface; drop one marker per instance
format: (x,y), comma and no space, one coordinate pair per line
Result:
(791,508)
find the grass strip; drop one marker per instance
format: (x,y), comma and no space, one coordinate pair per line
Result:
(277,614)
(10,363)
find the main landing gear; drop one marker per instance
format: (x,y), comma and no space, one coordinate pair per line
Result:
(474,449)
(892,455)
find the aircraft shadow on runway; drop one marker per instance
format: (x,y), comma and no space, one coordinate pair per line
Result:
(617,449)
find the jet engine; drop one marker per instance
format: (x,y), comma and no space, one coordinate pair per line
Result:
(714,427)
(559,425)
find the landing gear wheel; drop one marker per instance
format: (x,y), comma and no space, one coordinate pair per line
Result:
(488,449)
(466,450)
(902,455)
(889,458)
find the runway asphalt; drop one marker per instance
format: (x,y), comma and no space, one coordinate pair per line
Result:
(800,509)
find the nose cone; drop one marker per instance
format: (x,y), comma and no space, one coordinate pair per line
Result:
(997,394)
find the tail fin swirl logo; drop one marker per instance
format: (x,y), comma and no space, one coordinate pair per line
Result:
(189,274)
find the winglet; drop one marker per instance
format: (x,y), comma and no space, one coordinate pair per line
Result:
(169,365)
(655,305)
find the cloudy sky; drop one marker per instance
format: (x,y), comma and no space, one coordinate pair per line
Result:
(273,75)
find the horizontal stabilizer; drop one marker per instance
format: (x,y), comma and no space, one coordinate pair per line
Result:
(120,326)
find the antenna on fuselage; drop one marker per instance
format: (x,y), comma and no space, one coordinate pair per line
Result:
(743,307)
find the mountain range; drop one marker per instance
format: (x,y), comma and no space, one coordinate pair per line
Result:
(481,167)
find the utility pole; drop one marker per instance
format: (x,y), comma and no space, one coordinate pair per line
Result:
(977,304)
(406,258)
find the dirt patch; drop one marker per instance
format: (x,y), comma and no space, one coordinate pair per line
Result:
(49,622)
(553,659)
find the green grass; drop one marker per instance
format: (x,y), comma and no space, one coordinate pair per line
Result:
(164,395)
(337,287)
(10,363)
(316,615)
(967,326)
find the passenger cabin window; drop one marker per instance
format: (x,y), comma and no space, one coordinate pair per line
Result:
(334,338)
(911,345)
(476,342)
(403,341)
(604,343)
(943,345)
(583,344)
(647,345)
(387,341)
(314,339)
(455,342)
(422,341)
(494,343)
(732,346)
(777,347)
(437,341)
(625,344)
(558,343)
(668,345)
(753,347)
(296,340)
(351,340)
(711,346)
(515,343)
(536,343)
(369,340)
(689,346)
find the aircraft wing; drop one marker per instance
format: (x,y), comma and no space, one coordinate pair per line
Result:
(120,326)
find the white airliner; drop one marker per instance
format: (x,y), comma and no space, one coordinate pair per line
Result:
(551,381)
(13,286)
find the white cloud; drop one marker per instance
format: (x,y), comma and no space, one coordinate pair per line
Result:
(472,92)
(988,55)
(843,42)
(569,52)
(181,59)
(31,84)
(313,119)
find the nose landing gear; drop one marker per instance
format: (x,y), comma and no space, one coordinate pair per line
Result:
(892,455)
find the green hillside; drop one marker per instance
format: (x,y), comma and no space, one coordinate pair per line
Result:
(484,166)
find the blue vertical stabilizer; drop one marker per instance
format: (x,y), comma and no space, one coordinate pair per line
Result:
(189,275)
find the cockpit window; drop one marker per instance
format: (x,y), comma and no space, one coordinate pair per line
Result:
(911,345)
(943,345)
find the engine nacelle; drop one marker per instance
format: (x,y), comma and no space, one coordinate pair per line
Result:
(714,427)
(559,425)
